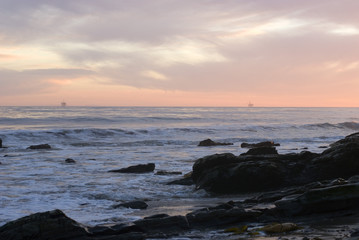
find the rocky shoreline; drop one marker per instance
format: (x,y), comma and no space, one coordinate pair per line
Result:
(293,196)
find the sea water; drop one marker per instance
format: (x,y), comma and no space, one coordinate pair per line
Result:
(100,139)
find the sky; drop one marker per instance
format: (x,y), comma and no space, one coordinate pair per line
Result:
(273,53)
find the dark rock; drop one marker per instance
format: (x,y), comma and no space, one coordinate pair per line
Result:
(204,164)
(209,143)
(261,144)
(229,174)
(113,229)
(70,160)
(42,226)
(40,146)
(0,143)
(161,172)
(226,173)
(340,161)
(261,151)
(133,205)
(355,234)
(187,181)
(160,215)
(352,138)
(165,224)
(206,217)
(140,168)
(321,200)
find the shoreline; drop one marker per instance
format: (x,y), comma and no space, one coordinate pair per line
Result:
(308,196)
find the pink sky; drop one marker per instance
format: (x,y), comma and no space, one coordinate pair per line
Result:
(180,52)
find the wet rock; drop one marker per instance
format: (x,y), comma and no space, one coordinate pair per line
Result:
(163,224)
(280,227)
(355,234)
(114,229)
(202,165)
(261,151)
(352,138)
(209,143)
(207,217)
(162,173)
(340,161)
(267,171)
(0,143)
(321,200)
(227,174)
(140,168)
(261,144)
(187,181)
(70,160)
(160,215)
(42,226)
(40,146)
(133,205)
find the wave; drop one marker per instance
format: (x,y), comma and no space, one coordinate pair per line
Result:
(326,125)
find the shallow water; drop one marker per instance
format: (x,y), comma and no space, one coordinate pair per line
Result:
(100,139)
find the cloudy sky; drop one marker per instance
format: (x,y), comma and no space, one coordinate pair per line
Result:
(179,52)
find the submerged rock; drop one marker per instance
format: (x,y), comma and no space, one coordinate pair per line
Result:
(162,173)
(133,205)
(43,226)
(70,160)
(140,168)
(40,146)
(209,143)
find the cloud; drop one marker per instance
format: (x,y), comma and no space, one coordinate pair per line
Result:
(37,80)
(204,45)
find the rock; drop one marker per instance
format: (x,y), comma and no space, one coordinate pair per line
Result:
(280,227)
(42,226)
(40,146)
(160,215)
(187,181)
(340,161)
(228,174)
(204,164)
(261,144)
(207,217)
(262,169)
(0,143)
(70,160)
(120,230)
(352,138)
(163,224)
(161,172)
(321,200)
(261,151)
(133,205)
(209,143)
(140,168)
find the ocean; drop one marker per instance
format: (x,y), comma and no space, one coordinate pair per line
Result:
(100,139)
